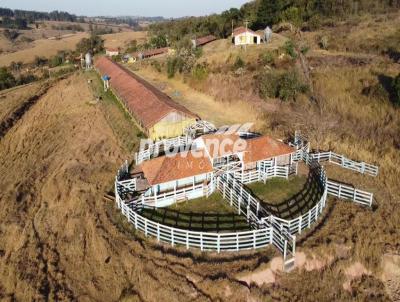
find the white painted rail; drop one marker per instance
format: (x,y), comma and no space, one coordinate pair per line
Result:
(346,163)
(347,192)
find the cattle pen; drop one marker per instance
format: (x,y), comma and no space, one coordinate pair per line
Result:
(230,181)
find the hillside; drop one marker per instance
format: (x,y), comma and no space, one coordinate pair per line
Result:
(63,139)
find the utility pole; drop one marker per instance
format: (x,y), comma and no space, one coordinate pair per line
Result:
(247,25)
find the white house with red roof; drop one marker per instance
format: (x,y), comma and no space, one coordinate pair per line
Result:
(245,36)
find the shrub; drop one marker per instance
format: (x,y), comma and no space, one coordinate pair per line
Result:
(172,66)
(290,50)
(200,72)
(396,89)
(55,61)
(239,63)
(268,84)
(7,80)
(40,61)
(10,34)
(156,65)
(376,91)
(290,85)
(93,44)
(267,58)
(285,86)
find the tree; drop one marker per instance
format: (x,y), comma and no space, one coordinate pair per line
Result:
(158,41)
(94,44)
(268,13)
(7,80)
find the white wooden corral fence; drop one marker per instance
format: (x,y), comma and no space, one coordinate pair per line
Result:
(249,206)
(262,235)
(347,192)
(207,241)
(153,149)
(346,163)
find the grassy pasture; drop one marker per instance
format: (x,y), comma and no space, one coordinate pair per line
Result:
(211,214)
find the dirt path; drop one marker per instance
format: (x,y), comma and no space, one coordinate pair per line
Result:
(60,241)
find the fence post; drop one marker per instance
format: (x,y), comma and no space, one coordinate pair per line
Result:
(218,243)
(136,224)
(300,220)
(284,252)
(224,190)
(258,207)
(187,240)
(201,241)
(172,237)
(248,213)
(239,204)
(340,190)
(145,227)
(309,219)
(237,241)
(158,232)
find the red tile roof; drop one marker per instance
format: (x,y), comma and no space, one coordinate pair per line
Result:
(265,147)
(241,30)
(204,40)
(151,52)
(164,169)
(219,145)
(148,104)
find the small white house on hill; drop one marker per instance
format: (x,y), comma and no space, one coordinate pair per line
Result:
(112,52)
(243,36)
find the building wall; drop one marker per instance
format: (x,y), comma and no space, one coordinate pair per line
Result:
(180,183)
(112,53)
(246,39)
(172,125)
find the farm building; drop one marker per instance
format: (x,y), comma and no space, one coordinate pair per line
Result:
(211,154)
(151,53)
(245,36)
(155,112)
(112,52)
(203,40)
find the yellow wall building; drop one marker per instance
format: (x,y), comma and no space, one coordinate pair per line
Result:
(155,112)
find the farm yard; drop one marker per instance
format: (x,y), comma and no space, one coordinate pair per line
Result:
(63,139)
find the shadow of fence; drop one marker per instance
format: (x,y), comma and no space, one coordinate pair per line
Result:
(301,202)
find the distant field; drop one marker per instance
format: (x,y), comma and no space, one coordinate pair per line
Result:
(121,39)
(48,48)
(43,47)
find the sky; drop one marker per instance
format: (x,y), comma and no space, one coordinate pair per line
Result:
(148,8)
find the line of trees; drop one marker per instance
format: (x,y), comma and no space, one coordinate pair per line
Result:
(262,13)
(32,16)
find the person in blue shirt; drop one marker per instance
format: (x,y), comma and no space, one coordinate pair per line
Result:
(106,81)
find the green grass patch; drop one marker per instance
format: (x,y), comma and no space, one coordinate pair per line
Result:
(211,214)
(288,199)
(277,190)
(117,116)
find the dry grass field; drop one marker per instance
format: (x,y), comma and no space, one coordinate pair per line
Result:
(202,104)
(121,39)
(59,240)
(42,47)
(26,52)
